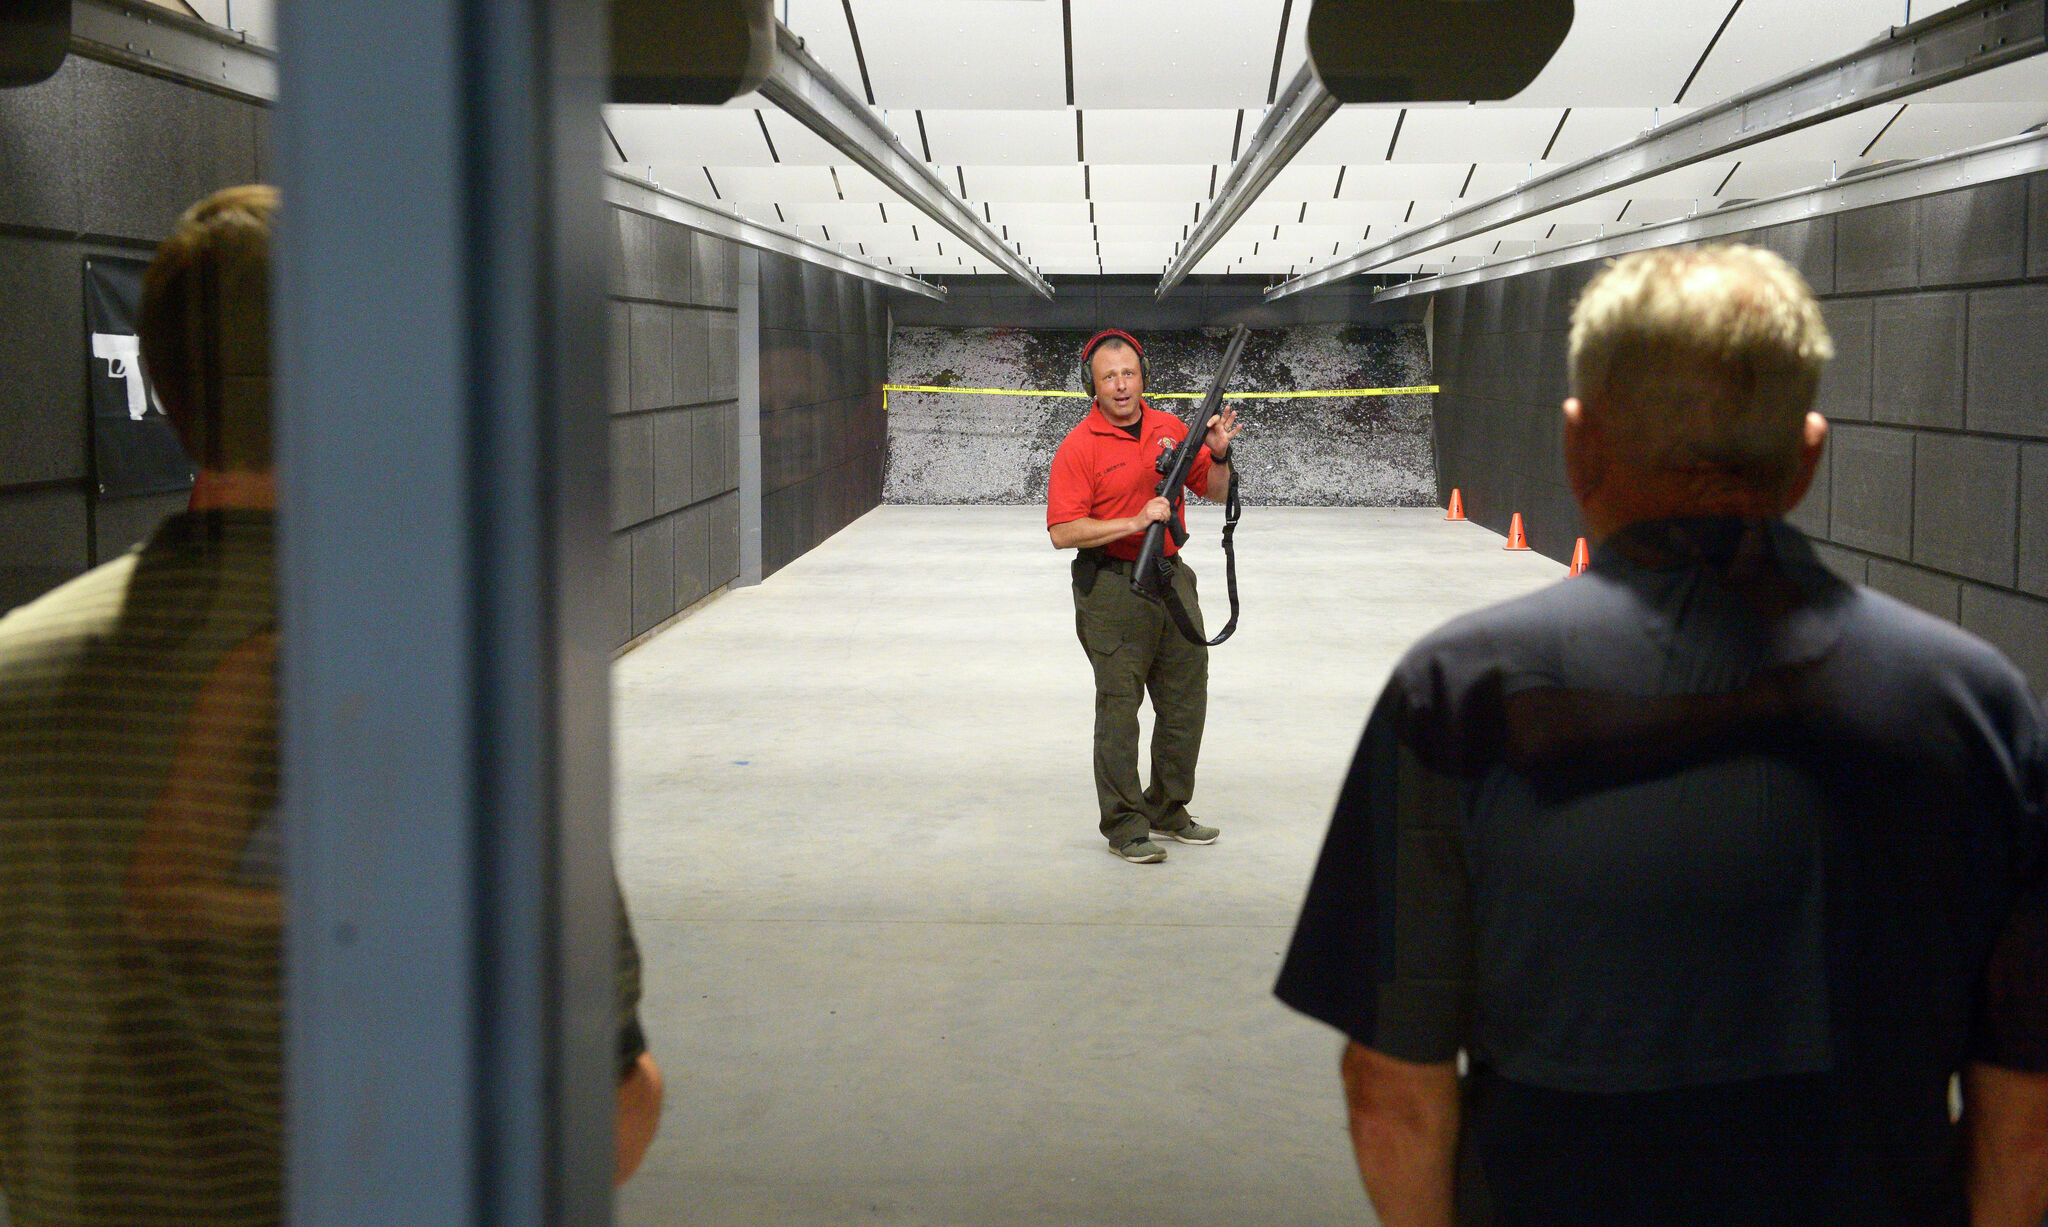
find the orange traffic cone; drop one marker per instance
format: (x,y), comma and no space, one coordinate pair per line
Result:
(1579,559)
(1516,541)
(1457,511)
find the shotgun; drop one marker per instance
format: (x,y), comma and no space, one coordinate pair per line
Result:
(1151,577)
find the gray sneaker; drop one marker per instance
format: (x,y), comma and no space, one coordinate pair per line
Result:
(1140,851)
(1193,833)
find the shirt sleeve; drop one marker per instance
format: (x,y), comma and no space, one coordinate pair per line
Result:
(1071,492)
(2012,1028)
(632,1040)
(1383,948)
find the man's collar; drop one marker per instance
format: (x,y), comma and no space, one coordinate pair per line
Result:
(1099,422)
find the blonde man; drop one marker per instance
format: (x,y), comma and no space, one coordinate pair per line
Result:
(140,917)
(1716,871)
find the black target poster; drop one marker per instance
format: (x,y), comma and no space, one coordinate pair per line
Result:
(134,449)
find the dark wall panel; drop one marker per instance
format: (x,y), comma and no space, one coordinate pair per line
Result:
(150,148)
(1975,235)
(95,160)
(39,162)
(823,429)
(1937,594)
(1917,341)
(2033,563)
(2016,625)
(675,426)
(42,398)
(1872,489)
(44,542)
(2008,374)
(1934,486)
(1845,384)
(1877,248)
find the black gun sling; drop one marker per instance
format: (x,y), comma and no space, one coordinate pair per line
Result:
(1161,586)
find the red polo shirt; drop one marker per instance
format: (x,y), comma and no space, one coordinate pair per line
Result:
(1101,473)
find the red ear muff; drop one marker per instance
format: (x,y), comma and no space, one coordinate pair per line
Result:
(1088,352)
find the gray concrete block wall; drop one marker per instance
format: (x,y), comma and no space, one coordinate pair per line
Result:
(824,433)
(1935,485)
(97,160)
(674,420)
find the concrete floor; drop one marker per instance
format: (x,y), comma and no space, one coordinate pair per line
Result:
(891,972)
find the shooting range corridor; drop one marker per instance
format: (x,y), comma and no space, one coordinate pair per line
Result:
(892,973)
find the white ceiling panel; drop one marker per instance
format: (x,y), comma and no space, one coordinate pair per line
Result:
(1356,214)
(1300,182)
(858,184)
(1643,209)
(874,234)
(998,138)
(1404,181)
(1923,131)
(685,181)
(1165,213)
(834,213)
(777,183)
(946,54)
(1841,139)
(1035,237)
(1159,136)
(1027,183)
(1170,53)
(1591,130)
(1147,183)
(798,145)
(1497,134)
(1766,41)
(822,26)
(1060,213)
(1698,180)
(1490,179)
(1757,178)
(706,136)
(1273,209)
(1628,53)
(1353,134)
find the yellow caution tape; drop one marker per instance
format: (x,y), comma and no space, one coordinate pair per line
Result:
(1417,391)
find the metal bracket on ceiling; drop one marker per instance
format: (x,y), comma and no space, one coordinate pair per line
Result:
(628,193)
(1967,39)
(1290,122)
(2018,155)
(816,99)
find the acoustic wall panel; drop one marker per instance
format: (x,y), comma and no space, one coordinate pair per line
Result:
(1965,506)
(2008,360)
(1975,235)
(1917,359)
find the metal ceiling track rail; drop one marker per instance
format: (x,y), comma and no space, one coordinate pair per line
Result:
(152,39)
(814,98)
(1950,45)
(627,192)
(2004,159)
(1293,119)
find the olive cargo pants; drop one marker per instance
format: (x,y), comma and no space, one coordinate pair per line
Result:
(1134,648)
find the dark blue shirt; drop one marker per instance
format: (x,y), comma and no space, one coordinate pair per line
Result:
(1716,866)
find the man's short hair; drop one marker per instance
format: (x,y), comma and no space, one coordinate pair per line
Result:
(1706,359)
(205,327)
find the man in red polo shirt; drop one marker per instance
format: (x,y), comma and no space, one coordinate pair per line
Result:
(1102,499)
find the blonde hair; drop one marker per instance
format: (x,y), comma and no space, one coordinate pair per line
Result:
(1704,358)
(204,327)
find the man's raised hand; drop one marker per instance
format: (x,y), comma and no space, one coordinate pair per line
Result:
(1222,429)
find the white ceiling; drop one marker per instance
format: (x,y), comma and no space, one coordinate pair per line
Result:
(1166,92)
